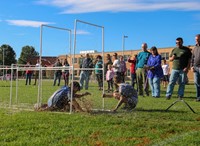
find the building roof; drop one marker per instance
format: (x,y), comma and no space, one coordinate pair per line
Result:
(46,60)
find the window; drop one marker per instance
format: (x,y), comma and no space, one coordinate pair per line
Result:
(80,60)
(128,72)
(165,55)
(75,72)
(75,60)
(125,57)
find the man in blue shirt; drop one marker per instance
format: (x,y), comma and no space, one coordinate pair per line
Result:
(141,76)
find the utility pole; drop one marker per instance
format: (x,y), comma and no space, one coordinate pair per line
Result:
(123,43)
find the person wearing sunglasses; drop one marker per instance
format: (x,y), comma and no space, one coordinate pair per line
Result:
(180,56)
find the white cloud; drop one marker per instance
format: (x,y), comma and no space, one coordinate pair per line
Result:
(27,23)
(87,6)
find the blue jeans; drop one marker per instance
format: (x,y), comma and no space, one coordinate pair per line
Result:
(154,83)
(179,75)
(28,78)
(84,76)
(57,76)
(99,78)
(197,81)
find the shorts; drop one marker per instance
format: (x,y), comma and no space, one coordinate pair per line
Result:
(166,78)
(132,102)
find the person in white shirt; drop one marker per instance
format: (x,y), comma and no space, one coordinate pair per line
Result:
(166,69)
(116,66)
(109,78)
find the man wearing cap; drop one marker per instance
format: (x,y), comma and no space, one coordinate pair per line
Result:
(141,75)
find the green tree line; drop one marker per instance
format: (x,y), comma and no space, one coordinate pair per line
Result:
(8,55)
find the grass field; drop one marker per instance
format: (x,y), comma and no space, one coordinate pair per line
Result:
(148,124)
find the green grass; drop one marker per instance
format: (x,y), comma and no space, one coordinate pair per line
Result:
(148,124)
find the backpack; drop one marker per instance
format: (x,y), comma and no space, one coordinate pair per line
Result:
(127,90)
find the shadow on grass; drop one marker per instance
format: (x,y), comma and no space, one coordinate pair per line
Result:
(98,112)
(159,110)
(165,110)
(138,110)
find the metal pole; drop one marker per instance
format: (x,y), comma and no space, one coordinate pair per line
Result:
(3,62)
(103,66)
(39,98)
(123,43)
(72,59)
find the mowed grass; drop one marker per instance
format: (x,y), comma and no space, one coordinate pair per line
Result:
(148,124)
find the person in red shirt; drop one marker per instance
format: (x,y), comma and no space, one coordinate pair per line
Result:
(132,61)
(28,73)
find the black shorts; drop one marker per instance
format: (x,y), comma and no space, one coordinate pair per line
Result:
(166,78)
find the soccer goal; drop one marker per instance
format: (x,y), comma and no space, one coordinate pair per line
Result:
(63,34)
(24,94)
(89,43)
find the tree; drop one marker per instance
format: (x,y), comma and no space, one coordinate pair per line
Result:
(27,52)
(7,55)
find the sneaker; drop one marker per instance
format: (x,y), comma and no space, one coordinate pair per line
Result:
(168,97)
(147,94)
(198,100)
(141,94)
(180,97)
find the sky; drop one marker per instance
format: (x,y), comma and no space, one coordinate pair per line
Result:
(97,24)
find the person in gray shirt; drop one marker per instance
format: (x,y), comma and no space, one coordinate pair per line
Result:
(195,66)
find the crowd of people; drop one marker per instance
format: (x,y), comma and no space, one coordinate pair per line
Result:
(147,69)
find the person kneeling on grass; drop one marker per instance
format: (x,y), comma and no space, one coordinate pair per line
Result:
(125,93)
(60,100)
